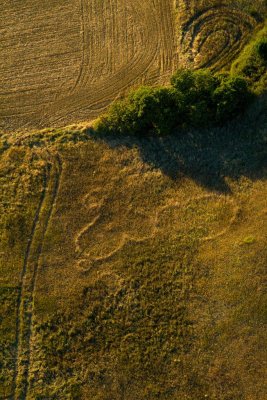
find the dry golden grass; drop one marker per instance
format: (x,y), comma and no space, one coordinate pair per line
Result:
(129,268)
(140,271)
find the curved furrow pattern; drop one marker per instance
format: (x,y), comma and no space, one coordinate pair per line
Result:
(214,36)
(98,95)
(41,221)
(110,38)
(84,54)
(71,72)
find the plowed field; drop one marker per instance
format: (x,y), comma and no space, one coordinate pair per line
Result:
(63,62)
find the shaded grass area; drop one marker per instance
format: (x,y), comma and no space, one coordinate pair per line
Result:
(169,317)
(208,156)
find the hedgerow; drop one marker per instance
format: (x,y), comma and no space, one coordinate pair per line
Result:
(194,99)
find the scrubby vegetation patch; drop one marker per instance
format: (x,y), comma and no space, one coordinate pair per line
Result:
(194,99)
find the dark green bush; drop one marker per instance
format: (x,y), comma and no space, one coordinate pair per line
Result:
(146,110)
(195,99)
(194,85)
(196,88)
(168,111)
(261,48)
(210,99)
(230,97)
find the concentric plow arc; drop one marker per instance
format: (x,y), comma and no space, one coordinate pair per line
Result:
(214,36)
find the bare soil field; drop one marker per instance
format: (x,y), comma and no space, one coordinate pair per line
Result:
(64,62)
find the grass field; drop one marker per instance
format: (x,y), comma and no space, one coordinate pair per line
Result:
(134,268)
(130,267)
(63,62)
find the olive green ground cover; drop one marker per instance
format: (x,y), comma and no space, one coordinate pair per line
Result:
(150,280)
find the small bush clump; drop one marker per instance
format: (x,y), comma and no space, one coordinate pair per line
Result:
(261,49)
(146,110)
(230,97)
(194,99)
(196,88)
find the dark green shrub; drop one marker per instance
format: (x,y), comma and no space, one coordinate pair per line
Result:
(197,88)
(195,99)
(146,110)
(168,110)
(183,80)
(194,85)
(261,48)
(230,97)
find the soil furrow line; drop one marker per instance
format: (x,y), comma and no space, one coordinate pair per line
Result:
(81,70)
(138,66)
(31,265)
(24,270)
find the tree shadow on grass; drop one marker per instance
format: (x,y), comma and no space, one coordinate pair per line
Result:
(208,156)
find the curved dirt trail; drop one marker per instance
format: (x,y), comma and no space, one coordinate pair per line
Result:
(41,221)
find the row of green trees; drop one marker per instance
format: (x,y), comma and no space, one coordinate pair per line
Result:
(194,99)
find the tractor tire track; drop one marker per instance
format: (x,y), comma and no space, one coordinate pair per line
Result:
(228,26)
(19,301)
(41,221)
(85,53)
(98,95)
(89,67)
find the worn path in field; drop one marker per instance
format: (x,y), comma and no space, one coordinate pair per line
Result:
(102,238)
(29,274)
